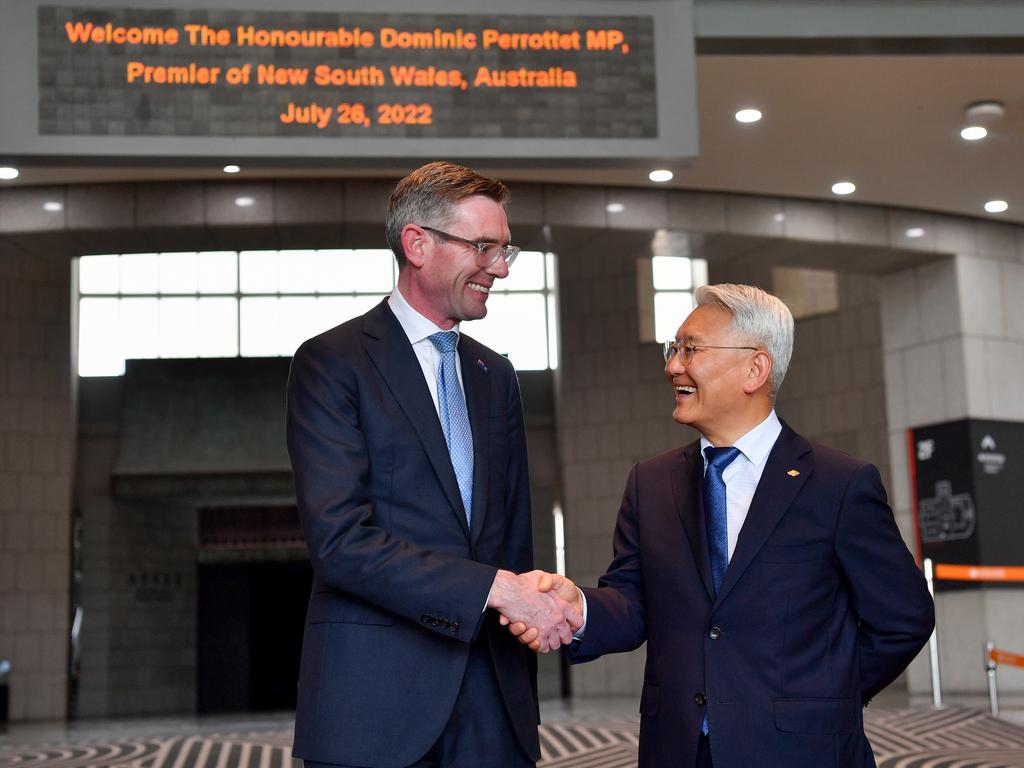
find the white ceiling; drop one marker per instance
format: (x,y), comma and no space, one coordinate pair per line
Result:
(888,123)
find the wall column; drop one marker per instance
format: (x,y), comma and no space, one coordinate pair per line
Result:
(37,429)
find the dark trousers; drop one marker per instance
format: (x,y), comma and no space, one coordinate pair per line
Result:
(479,733)
(704,752)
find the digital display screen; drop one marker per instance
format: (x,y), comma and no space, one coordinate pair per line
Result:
(109,71)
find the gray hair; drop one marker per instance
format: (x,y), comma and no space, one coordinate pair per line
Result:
(763,319)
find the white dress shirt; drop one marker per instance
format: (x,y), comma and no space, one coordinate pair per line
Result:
(744,473)
(419,329)
(741,478)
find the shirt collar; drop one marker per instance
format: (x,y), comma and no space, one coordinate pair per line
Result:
(415,325)
(757,443)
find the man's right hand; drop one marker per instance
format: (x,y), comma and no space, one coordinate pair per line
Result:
(529,600)
(565,589)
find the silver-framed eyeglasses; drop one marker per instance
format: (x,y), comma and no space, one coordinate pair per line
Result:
(487,254)
(686,351)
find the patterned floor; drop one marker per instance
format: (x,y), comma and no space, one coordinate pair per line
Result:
(956,737)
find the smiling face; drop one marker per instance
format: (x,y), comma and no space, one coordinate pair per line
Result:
(721,392)
(447,285)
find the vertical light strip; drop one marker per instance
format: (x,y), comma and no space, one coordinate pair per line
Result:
(559,521)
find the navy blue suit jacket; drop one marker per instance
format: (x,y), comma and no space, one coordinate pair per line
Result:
(400,580)
(822,606)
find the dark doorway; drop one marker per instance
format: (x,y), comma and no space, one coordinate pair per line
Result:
(251,616)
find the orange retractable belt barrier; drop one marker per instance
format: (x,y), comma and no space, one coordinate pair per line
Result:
(979,572)
(1005,657)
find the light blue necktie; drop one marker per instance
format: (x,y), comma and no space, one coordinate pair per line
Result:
(454,417)
(716,515)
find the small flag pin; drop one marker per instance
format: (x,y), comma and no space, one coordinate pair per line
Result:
(793,472)
(483,366)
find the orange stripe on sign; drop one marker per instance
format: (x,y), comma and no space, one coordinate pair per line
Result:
(979,572)
(1005,657)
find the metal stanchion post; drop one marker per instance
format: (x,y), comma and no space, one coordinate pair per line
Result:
(990,670)
(933,642)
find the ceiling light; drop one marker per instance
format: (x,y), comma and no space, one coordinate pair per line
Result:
(231,169)
(660,175)
(844,188)
(244,202)
(7,173)
(52,206)
(996,206)
(779,217)
(748,115)
(973,133)
(984,111)
(915,232)
(615,207)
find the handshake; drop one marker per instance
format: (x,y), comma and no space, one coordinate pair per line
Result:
(542,609)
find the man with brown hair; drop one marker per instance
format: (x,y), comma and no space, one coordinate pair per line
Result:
(408,448)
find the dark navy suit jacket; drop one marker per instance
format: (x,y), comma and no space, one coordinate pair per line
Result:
(822,606)
(400,580)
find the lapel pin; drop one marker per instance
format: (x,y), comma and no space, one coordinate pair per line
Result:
(793,472)
(483,366)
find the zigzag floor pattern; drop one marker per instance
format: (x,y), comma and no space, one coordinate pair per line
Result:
(956,737)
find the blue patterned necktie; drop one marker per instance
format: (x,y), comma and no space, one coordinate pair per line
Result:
(454,417)
(716,517)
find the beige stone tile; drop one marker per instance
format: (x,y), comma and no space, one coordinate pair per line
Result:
(980,296)
(862,224)
(754,215)
(696,211)
(810,220)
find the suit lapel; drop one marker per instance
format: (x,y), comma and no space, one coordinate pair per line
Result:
(390,351)
(476,385)
(775,493)
(686,484)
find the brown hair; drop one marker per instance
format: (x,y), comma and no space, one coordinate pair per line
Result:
(426,196)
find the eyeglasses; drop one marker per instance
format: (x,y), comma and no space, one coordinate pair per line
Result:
(487,254)
(686,351)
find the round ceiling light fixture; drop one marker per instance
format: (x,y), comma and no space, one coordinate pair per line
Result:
(53,206)
(844,188)
(7,173)
(748,115)
(615,207)
(974,133)
(986,111)
(245,202)
(996,206)
(661,175)
(915,232)
(232,169)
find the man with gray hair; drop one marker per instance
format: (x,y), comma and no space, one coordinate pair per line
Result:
(765,573)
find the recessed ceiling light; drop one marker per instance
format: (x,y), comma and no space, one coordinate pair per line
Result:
(915,232)
(244,202)
(660,175)
(748,115)
(53,206)
(7,173)
(996,206)
(844,188)
(615,207)
(973,133)
(779,217)
(231,169)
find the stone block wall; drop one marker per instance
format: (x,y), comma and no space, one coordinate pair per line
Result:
(37,428)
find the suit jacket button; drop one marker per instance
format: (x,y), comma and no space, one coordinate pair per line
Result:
(445,623)
(435,622)
(455,626)
(715,633)
(425,618)
(700,698)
